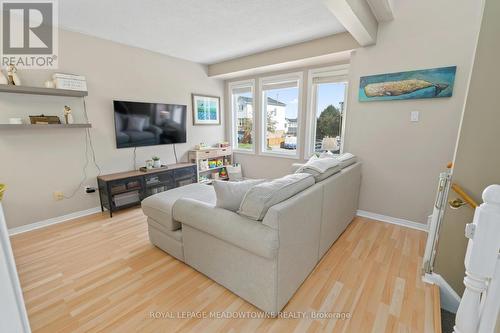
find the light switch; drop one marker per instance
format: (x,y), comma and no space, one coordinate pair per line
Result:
(414,116)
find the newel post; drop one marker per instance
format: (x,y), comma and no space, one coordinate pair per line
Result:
(480,260)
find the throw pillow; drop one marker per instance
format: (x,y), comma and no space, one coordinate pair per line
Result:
(261,197)
(230,194)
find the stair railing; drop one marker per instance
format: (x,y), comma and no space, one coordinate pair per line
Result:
(480,303)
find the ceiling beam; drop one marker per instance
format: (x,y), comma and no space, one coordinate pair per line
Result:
(357,17)
(330,48)
(382,10)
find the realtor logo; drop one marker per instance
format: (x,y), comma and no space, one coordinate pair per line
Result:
(29,34)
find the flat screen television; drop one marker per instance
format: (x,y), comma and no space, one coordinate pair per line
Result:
(140,124)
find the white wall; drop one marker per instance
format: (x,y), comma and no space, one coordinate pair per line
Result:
(402,160)
(36,163)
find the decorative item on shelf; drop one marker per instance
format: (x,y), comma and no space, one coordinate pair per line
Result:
(3,79)
(12,76)
(220,162)
(68,117)
(223,173)
(49,84)
(200,146)
(156,162)
(149,164)
(16,121)
(425,83)
(203,165)
(224,144)
(212,164)
(44,120)
(206,109)
(70,82)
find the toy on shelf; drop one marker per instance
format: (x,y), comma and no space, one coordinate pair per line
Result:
(212,164)
(220,162)
(223,144)
(223,173)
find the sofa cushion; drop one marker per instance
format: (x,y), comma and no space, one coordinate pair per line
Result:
(230,194)
(318,176)
(346,159)
(159,206)
(227,226)
(320,168)
(261,197)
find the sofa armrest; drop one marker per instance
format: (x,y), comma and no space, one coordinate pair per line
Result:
(228,226)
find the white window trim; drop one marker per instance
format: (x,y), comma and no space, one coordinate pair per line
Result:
(340,71)
(233,135)
(296,76)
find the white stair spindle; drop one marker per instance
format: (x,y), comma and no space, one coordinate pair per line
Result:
(480,260)
(491,304)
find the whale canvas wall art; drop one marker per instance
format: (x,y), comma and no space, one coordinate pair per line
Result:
(426,83)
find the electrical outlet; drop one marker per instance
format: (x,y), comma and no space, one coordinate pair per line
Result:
(414,116)
(89,189)
(58,195)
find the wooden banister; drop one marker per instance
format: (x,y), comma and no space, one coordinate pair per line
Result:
(2,190)
(460,191)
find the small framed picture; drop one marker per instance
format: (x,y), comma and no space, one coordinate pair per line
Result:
(206,110)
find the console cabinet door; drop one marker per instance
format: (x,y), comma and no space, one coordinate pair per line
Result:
(185,176)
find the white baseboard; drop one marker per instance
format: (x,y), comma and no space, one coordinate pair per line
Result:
(449,298)
(54,220)
(393,220)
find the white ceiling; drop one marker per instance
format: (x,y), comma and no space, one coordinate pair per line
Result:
(204,31)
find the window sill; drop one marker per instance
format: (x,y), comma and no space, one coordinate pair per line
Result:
(280,155)
(242,151)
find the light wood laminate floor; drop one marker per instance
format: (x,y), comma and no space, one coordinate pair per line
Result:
(101,274)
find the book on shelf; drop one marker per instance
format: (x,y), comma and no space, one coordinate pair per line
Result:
(70,82)
(68,76)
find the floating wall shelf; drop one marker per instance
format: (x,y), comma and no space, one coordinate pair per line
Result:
(40,126)
(41,91)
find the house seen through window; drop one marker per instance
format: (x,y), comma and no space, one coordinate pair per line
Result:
(243,115)
(280,113)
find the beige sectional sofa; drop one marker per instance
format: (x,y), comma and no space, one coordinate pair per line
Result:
(264,262)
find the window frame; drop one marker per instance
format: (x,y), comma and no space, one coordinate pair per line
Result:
(340,73)
(276,79)
(234,117)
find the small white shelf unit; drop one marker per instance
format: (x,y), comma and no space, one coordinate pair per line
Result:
(211,163)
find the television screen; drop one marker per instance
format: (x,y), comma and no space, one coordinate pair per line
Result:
(146,124)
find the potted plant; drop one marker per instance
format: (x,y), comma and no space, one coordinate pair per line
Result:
(156,162)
